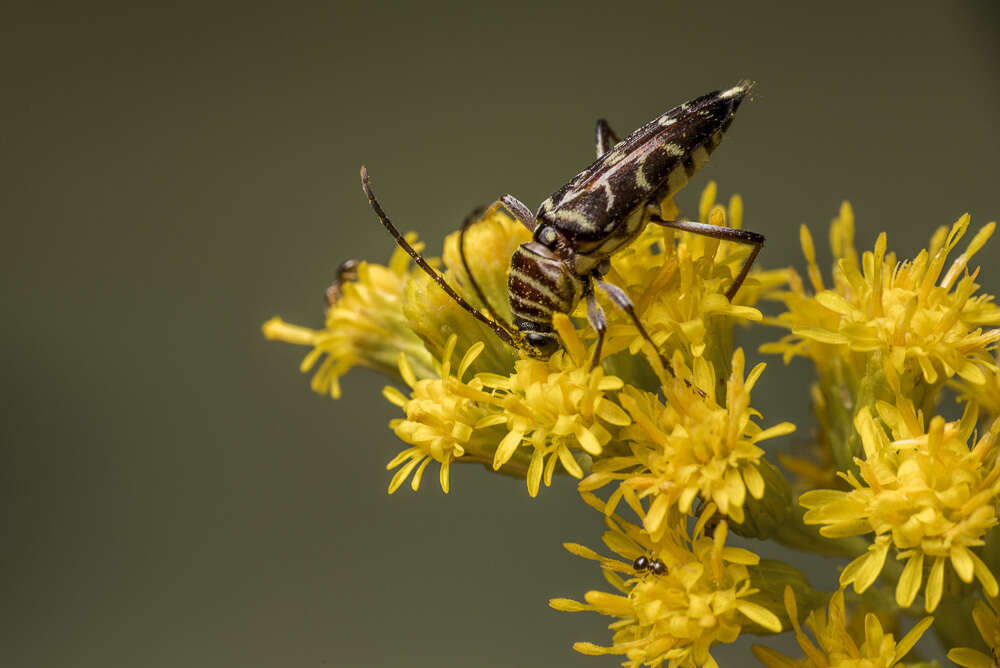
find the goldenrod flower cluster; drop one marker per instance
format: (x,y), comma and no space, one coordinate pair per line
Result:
(676,458)
(837,647)
(364,327)
(688,446)
(706,595)
(920,490)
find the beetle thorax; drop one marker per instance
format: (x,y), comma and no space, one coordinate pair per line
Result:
(589,256)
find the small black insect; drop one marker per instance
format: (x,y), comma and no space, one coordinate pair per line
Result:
(643,563)
(346,272)
(600,211)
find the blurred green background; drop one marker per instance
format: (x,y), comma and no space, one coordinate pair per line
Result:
(171,492)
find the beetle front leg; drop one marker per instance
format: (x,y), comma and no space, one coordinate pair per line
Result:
(621,300)
(478,214)
(606,137)
(595,314)
(516,207)
(741,236)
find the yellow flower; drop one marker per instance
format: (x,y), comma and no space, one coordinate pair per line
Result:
(559,408)
(447,419)
(837,649)
(556,408)
(925,321)
(678,283)
(985,616)
(435,317)
(704,598)
(690,444)
(761,283)
(924,492)
(986,396)
(364,327)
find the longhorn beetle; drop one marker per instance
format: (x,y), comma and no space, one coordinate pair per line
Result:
(600,211)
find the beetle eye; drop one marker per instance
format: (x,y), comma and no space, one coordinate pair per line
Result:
(545,344)
(546,236)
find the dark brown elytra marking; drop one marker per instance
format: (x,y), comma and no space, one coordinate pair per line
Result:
(598,212)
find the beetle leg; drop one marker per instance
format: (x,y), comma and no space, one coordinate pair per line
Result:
(621,300)
(741,236)
(595,314)
(503,334)
(520,211)
(516,207)
(606,137)
(476,215)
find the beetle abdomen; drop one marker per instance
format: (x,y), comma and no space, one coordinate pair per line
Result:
(654,161)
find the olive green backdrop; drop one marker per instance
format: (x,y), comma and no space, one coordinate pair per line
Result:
(171,492)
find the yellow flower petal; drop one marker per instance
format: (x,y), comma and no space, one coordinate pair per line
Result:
(961,561)
(864,570)
(506,449)
(985,576)
(911,638)
(969,658)
(935,584)
(567,605)
(760,615)
(909,582)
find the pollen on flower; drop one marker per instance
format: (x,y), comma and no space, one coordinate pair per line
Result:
(705,596)
(836,646)
(364,327)
(689,444)
(925,318)
(924,492)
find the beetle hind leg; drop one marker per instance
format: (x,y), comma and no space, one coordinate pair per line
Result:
(737,235)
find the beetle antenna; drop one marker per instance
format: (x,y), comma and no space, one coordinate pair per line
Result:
(504,335)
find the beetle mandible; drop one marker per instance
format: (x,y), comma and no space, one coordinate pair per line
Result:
(600,211)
